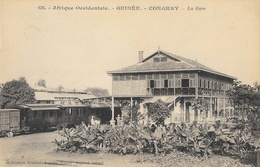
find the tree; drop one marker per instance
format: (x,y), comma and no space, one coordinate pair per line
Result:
(201,105)
(98,92)
(245,100)
(60,87)
(158,112)
(42,83)
(16,92)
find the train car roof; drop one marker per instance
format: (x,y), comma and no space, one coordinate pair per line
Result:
(4,110)
(66,106)
(39,106)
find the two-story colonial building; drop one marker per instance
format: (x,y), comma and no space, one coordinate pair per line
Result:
(176,80)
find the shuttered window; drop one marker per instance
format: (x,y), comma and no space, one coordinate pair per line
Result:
(128,77)
(134,77)
(115,77)
(178,83)
(171,83)
(142,77)
(163,59)
(170,76)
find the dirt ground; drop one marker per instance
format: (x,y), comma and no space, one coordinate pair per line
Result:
(36,150)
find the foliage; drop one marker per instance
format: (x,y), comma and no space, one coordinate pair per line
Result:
(98,92)
(16,92)
(60,87)
(138,139)
(159,112)
(42,83)
(201,105)
(245,100)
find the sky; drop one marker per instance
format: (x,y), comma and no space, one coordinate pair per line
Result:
(76,48)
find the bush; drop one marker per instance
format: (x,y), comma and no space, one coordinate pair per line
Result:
(135,138)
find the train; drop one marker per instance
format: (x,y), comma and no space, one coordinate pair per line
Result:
(30,118)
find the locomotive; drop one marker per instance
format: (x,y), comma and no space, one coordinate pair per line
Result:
(44,117)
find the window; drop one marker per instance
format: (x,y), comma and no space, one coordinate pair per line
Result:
(192,82)
(82,111)
(170,76)
(205,83)
(128,77)
(156,59)
(156,76)
(219,86)
(185,75)
(228,86)
(35,114)
(200,85)
(171,83)
(152,85)
(142,77)
(177,75)
(51,113)
(216,85)
(60,113)
(70,112)
(121,77)
(164,76)
(86,111)
(44,113)
(79,111)
(208,84)
(157,84)
(163,59)
(192,75)
(185,83)
(115,77)
(134,77)
(166,83)
(177,83)
(150,76)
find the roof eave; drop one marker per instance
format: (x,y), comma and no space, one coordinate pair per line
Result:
(147,71)
(172,70)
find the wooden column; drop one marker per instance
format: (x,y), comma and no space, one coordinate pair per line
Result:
(131,105)
(196,85)
(184,110)
(112,122)
(224,101)
(210,108)
(218,100)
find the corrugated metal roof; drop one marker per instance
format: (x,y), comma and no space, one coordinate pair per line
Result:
(81,105)
(53,96)
(44,96)
(5,110)
(182,64)
(44,108)
(40,106)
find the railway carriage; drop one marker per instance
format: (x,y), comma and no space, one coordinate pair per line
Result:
(9,121)
(74,114)
(44,117)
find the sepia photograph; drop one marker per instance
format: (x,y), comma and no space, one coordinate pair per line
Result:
(120,83)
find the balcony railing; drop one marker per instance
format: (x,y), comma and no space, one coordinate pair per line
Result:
(206,91)
(170,91)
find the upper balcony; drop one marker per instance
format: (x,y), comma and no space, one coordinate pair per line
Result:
(170,91)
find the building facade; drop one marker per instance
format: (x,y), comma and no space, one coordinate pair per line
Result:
(178,81)
(60,97)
